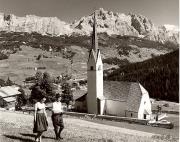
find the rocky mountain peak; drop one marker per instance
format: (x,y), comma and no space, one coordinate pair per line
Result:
(141,24)
(32,23)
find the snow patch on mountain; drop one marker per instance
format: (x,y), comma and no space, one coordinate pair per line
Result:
(171,27)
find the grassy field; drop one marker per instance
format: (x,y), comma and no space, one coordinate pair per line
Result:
(22,64)
(166,106)
(18,128)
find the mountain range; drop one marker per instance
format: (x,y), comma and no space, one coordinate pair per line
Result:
(107,22)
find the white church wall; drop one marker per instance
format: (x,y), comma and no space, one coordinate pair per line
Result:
(91,96)
(102,107)
(95,82)
(145,105)
(115,108)
(99,76)
(131,114)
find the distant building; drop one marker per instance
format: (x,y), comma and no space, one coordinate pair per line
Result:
(126,99)
(80,100)
(8,95)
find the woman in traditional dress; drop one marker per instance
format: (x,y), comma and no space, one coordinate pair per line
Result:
(40,119)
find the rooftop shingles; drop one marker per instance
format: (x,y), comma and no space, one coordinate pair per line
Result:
(134,98)
(10,99)
(8,91)
(115,90)
(79,93)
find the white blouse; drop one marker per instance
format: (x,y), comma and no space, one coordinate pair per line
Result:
(39,106)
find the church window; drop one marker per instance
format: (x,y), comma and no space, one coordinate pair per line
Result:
(131,114)
(99,67)
(144,116)
(91,68)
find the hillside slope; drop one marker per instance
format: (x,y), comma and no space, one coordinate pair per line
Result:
(160,76)
(19,62)
(130,48)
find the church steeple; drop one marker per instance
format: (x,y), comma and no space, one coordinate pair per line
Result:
(95,75)
(94,35)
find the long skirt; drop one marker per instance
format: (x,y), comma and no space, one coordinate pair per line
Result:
(41,124)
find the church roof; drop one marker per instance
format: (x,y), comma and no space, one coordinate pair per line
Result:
(129,92)
(95,49)
(134,98)
(78,94)
(94,35)
(115,90)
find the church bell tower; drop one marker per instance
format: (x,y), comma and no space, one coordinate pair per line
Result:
(94,75)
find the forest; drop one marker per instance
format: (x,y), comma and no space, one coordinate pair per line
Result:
(159,76)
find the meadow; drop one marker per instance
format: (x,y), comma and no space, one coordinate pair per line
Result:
(17,127)
(24,63)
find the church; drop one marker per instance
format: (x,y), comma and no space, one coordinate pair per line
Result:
(124,99)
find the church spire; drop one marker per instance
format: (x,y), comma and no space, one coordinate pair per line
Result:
(94,35)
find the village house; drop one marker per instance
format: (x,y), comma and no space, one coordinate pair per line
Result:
(8,96)
(125,99)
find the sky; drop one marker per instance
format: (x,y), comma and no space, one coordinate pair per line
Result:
(160,12)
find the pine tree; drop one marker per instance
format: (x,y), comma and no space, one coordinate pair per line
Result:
(67,96)
(21,99)
(9,82)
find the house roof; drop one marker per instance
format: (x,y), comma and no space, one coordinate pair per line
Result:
(10,99)
(8,91)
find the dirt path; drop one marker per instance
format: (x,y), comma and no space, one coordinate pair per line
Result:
(18,127)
